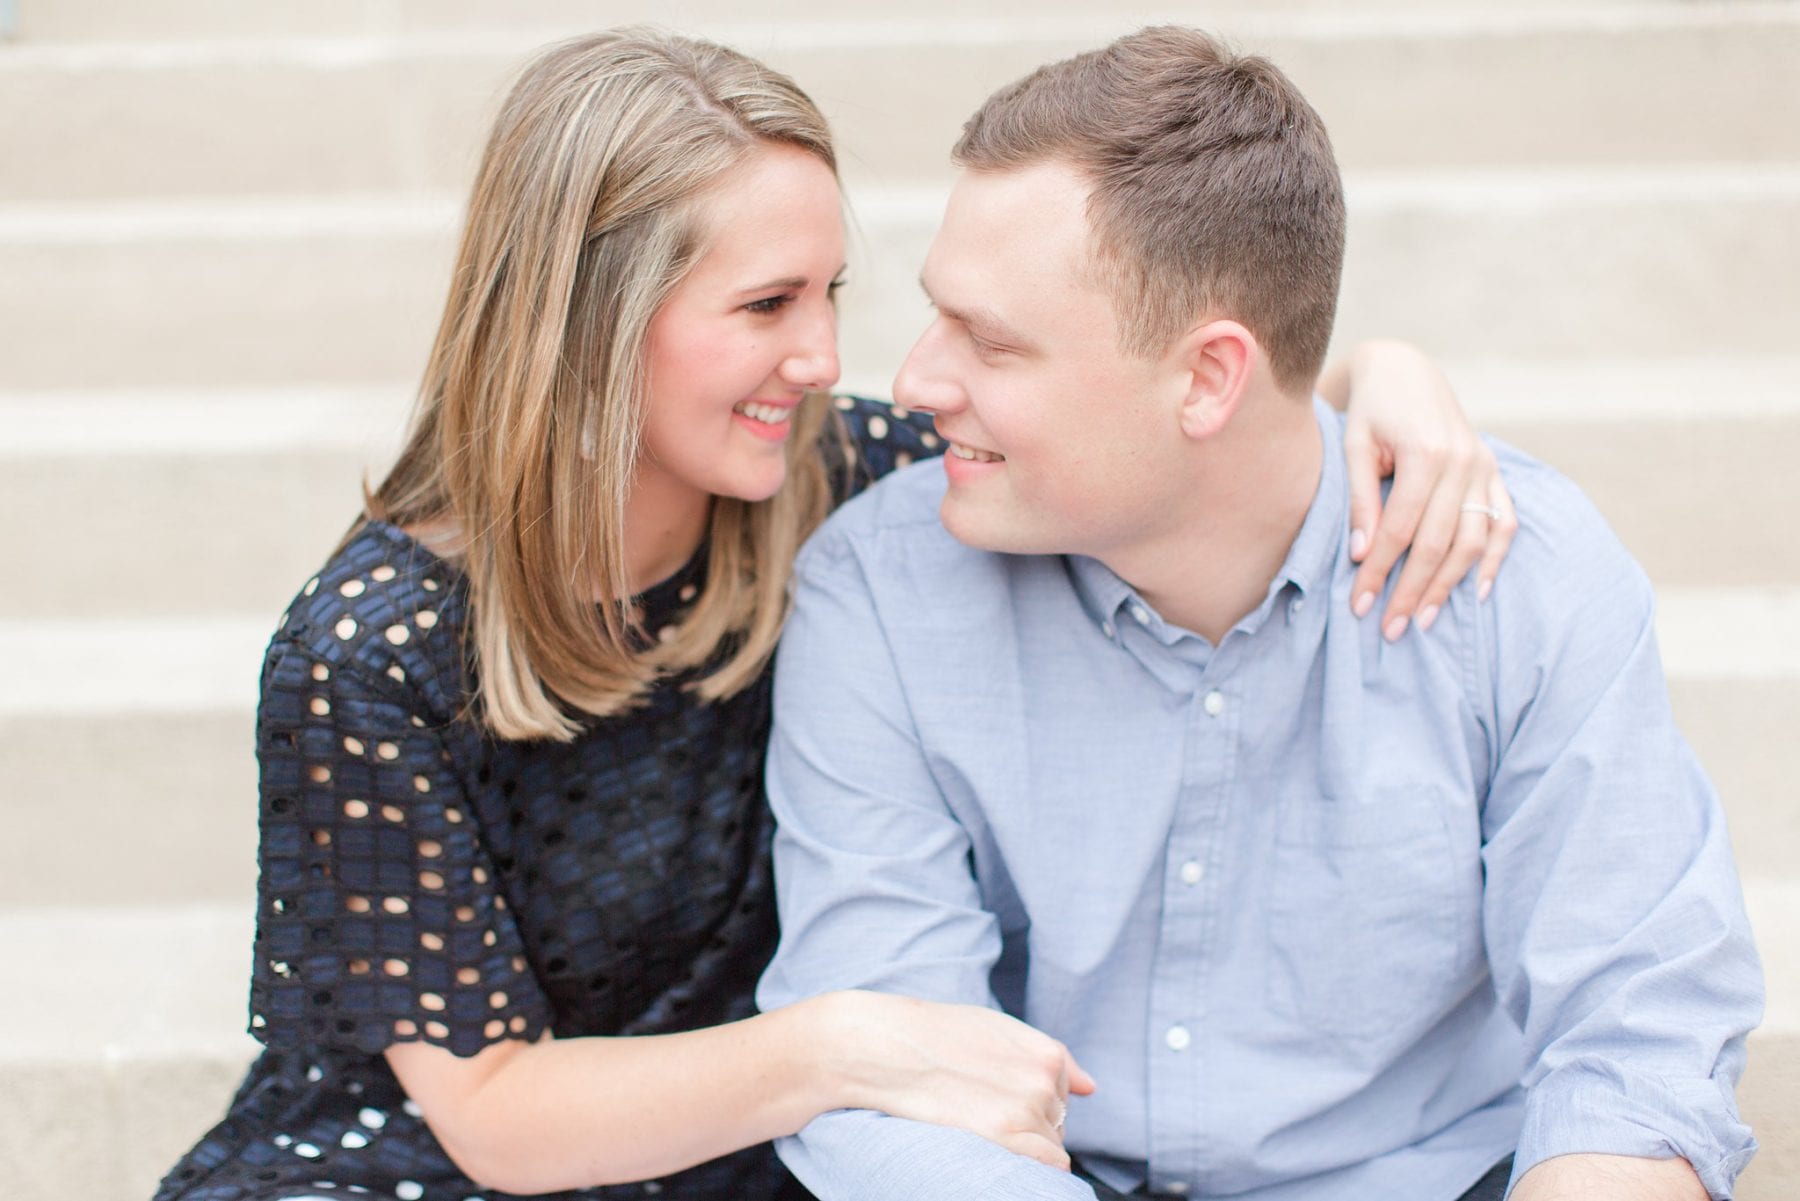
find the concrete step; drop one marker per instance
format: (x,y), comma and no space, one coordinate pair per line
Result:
(1675,453)
(1547,265)
(128,755)
(163,21)
(132,504)
(116,1063)
(1399,89)
(1539,265)
(127,746)
(1574,264)
(126,1043)
(170,504)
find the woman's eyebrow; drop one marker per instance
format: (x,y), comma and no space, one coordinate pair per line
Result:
(788,283)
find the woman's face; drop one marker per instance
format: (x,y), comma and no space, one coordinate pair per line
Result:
(749,330)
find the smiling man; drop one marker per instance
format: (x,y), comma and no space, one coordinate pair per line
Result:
(1078,722)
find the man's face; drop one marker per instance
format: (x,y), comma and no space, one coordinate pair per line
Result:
(1059,441)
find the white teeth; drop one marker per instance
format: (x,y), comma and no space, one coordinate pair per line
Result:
(977,456)
(767,414)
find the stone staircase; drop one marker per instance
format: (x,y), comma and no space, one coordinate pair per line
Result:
(224,233)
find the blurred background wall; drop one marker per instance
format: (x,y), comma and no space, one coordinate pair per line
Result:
(225,228)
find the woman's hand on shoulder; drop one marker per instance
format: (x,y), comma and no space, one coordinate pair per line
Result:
(956,1065)
(1448,509)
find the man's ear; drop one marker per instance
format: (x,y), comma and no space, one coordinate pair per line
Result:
(1217,359)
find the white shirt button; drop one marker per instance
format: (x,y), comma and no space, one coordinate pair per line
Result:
(1178,1187)
(1214,703)
(1178,1038)
(1191,873)
(1295,605)
(1106,627)
(1140,614)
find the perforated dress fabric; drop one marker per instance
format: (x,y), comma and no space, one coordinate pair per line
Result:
(423,881)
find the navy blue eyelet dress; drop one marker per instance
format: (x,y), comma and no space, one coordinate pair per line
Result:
(421,880)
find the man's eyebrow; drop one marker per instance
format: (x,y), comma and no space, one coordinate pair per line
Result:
(983,321)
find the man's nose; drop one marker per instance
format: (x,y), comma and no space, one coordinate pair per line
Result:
(924,383)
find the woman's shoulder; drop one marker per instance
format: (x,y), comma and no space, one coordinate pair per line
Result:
(869,438)
(386,608)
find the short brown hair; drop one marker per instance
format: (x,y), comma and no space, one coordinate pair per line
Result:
(1214,189)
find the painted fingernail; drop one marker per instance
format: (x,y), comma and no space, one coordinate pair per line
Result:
(1363,604)
(1359,545)
(1487,586)
(1394,629)
(1427,615)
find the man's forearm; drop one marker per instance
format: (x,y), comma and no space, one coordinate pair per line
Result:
(1610,1178)
(860,1155)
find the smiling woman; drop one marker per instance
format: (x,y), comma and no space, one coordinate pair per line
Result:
(738,345)
(511,734)
(515,889)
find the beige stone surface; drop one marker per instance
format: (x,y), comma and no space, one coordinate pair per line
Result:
(364,114)
(1542,267)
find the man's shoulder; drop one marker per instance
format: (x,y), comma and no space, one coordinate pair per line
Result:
(1563,537)
(1570,590)
(894,521)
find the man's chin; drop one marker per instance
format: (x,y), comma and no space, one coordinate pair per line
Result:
(983,528)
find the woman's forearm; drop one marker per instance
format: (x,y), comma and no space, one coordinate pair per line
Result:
(1334,382)
(573,1113)
(578,1112)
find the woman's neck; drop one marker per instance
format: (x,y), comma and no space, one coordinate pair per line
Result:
(665,523)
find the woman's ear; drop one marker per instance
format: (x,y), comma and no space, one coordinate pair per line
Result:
(1217,358)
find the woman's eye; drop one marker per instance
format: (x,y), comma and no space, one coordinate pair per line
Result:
(768,304)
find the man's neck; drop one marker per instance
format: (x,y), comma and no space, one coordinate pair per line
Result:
(1211,566)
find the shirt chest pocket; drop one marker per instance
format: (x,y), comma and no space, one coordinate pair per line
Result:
(1373,914)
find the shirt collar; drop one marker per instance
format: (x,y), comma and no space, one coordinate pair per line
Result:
(1311,559)
(1102,593)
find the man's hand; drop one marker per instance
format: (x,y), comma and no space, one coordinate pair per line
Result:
(1610,1178)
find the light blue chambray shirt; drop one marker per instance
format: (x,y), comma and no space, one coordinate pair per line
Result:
(1327,918)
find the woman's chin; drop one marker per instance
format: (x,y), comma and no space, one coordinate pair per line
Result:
(759,489)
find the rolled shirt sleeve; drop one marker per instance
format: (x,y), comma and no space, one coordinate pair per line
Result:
(1615,925)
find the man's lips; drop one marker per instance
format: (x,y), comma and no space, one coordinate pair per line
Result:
(974,454)
(968,452)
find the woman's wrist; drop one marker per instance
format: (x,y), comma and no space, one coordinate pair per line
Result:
(1383,355)
(827,1037)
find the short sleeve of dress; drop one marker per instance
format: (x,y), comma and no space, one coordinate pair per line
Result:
(872,438)
(379,917)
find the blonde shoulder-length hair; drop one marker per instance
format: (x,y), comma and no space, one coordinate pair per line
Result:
(586,212)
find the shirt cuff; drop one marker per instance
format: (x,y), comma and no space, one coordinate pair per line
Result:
(861,1155)
(1598,1107)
